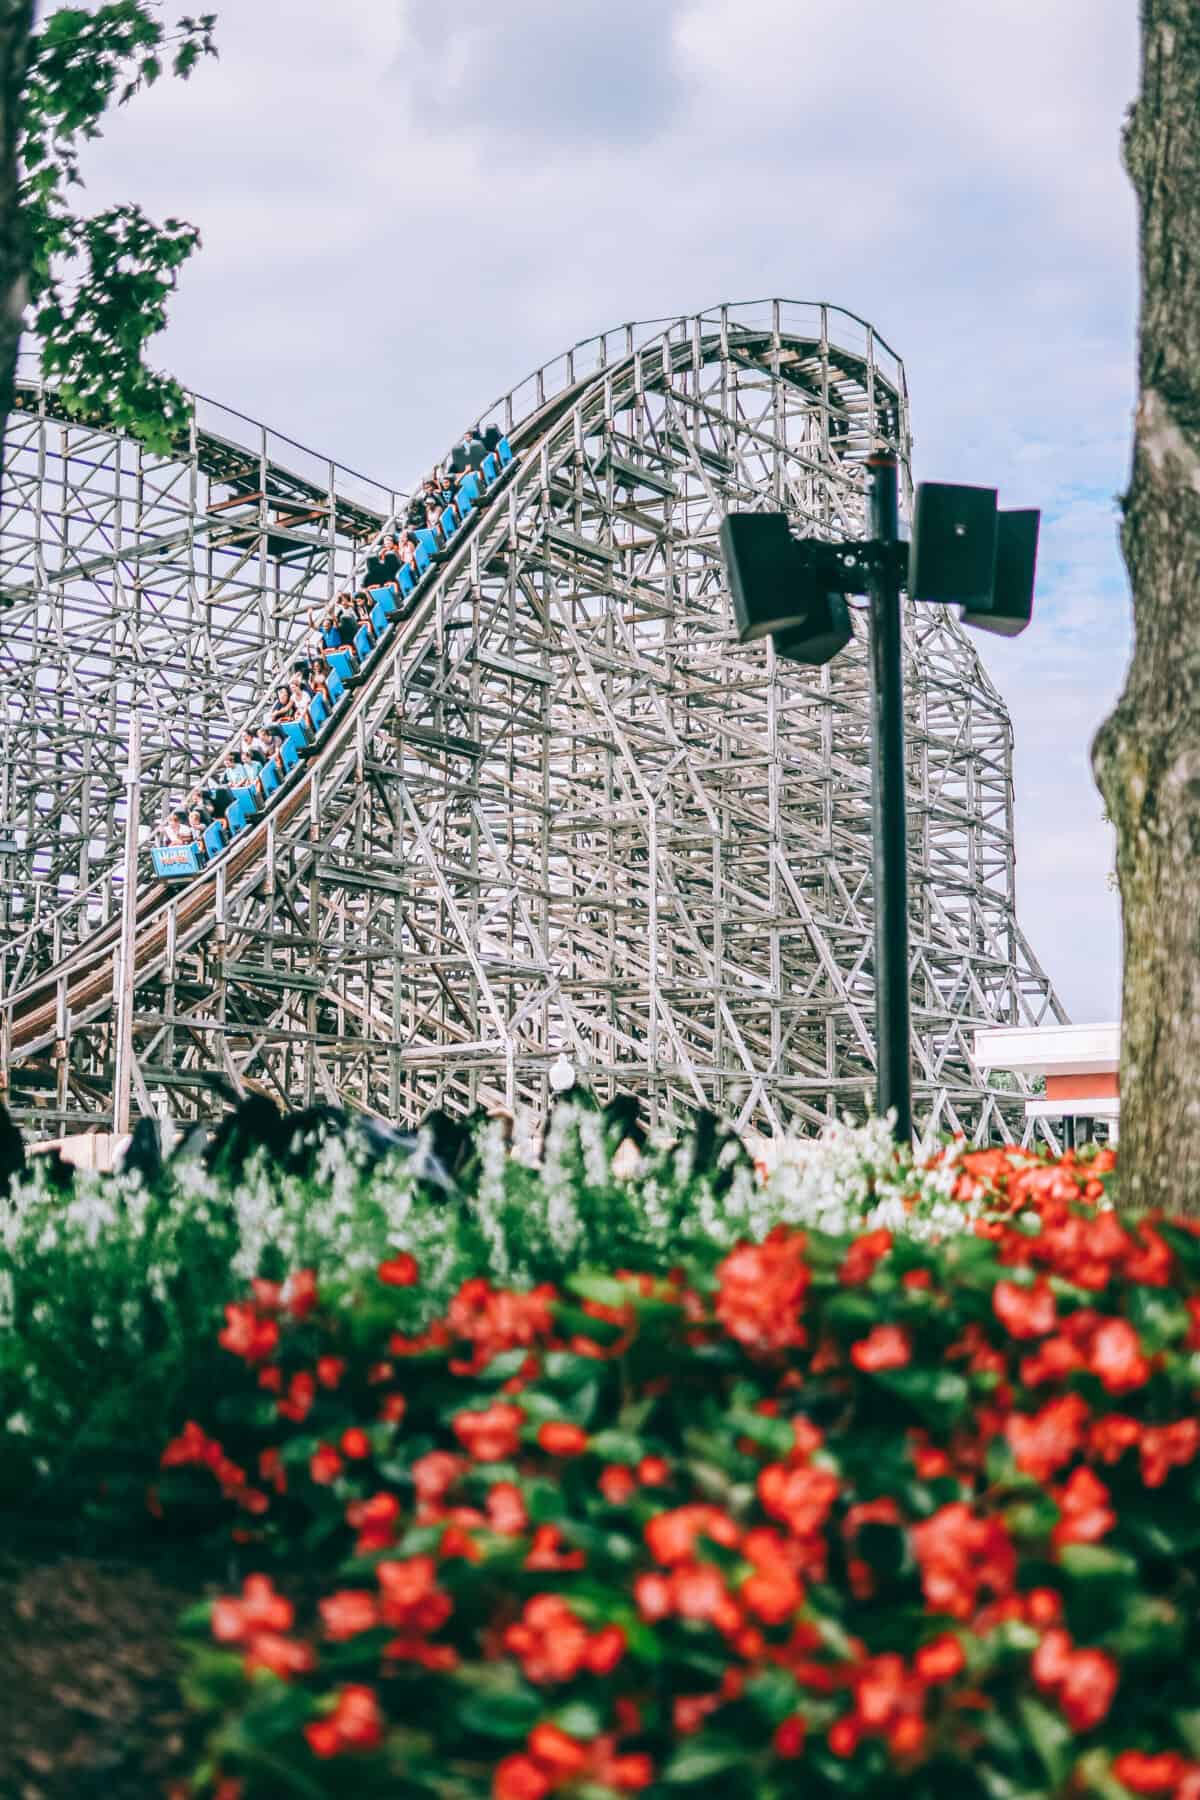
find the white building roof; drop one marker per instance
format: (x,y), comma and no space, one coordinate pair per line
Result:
(1050,1049)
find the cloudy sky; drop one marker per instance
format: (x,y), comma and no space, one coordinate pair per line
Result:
(406,208)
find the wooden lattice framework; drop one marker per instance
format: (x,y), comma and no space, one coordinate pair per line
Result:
(564,813)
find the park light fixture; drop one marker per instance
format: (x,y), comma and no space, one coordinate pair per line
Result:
(964,552)
(562,1074)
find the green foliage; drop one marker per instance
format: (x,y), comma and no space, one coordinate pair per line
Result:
(99,283)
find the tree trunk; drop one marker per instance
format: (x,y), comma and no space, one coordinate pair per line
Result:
(1147,754)
(16,24)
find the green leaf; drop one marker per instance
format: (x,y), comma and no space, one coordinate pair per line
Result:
(1158,1315)
(579,1720)
(1149,1626)
(1093,1772)
(510,1716)
(1096,1562)
(618,1447)
(1050,1736)
(775,1435)
(605,1290)
(197,1617)
(701,1757)
(774,1692)
(566,1369)
(939,1395)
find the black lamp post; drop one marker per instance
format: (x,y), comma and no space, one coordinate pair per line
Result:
(964,552)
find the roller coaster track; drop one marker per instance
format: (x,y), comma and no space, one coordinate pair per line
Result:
(563,813)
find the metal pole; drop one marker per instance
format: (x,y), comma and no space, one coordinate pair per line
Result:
(888,809)
(123,1060)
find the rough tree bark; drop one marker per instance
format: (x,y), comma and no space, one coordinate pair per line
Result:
(16,24)
(1147,754)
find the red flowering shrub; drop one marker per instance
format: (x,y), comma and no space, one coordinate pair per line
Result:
(826,1516)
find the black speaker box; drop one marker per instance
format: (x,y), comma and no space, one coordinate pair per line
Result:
(1011,605)
(760,559)
(777,593)
(952,556)
(825,632)
(458,459)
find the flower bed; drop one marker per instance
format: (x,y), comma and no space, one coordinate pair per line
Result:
(111,1292)
(864,1514)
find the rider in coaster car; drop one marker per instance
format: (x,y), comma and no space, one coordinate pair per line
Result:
(284,708)
(384,565)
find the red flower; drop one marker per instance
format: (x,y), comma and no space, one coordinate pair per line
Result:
(557,1438)
(845,1736)
(492,1435)
(653,1596)
(1025,1312)
(247,1334)
(671,1536)
(788,1740)
(375,1521)
(654,1471)
(546,1551)
(1142,1773)
(1053,1360)
(356,1723)
(1148,1261)
(301,1393)
(300,1293)
(1083,1681)
(1087,1689)
(606,1650)
(1110,1437)
(864,1256)
(283,1656)
(761,1290)
(355,1443)
(435,1474)
(348,1612)
(940,1660)
(1052,1659)
(1193,1336)
(330,1370)
(1084,1506)
(1045,1441)
(260,1609)
(325,1465)
(412,1601)
(884,1347)
(271,1469)
(1115,1355)
(506,1512)
(773,1593)
(929,1462)
(399,1271)
(520,1778)
(393,1409)
(698,1591)
(494,1320)
(551,1642)
(960,1556)
(689,1711)
(1167,1447)
(617,1483)
(564,1756)
(801,1498)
